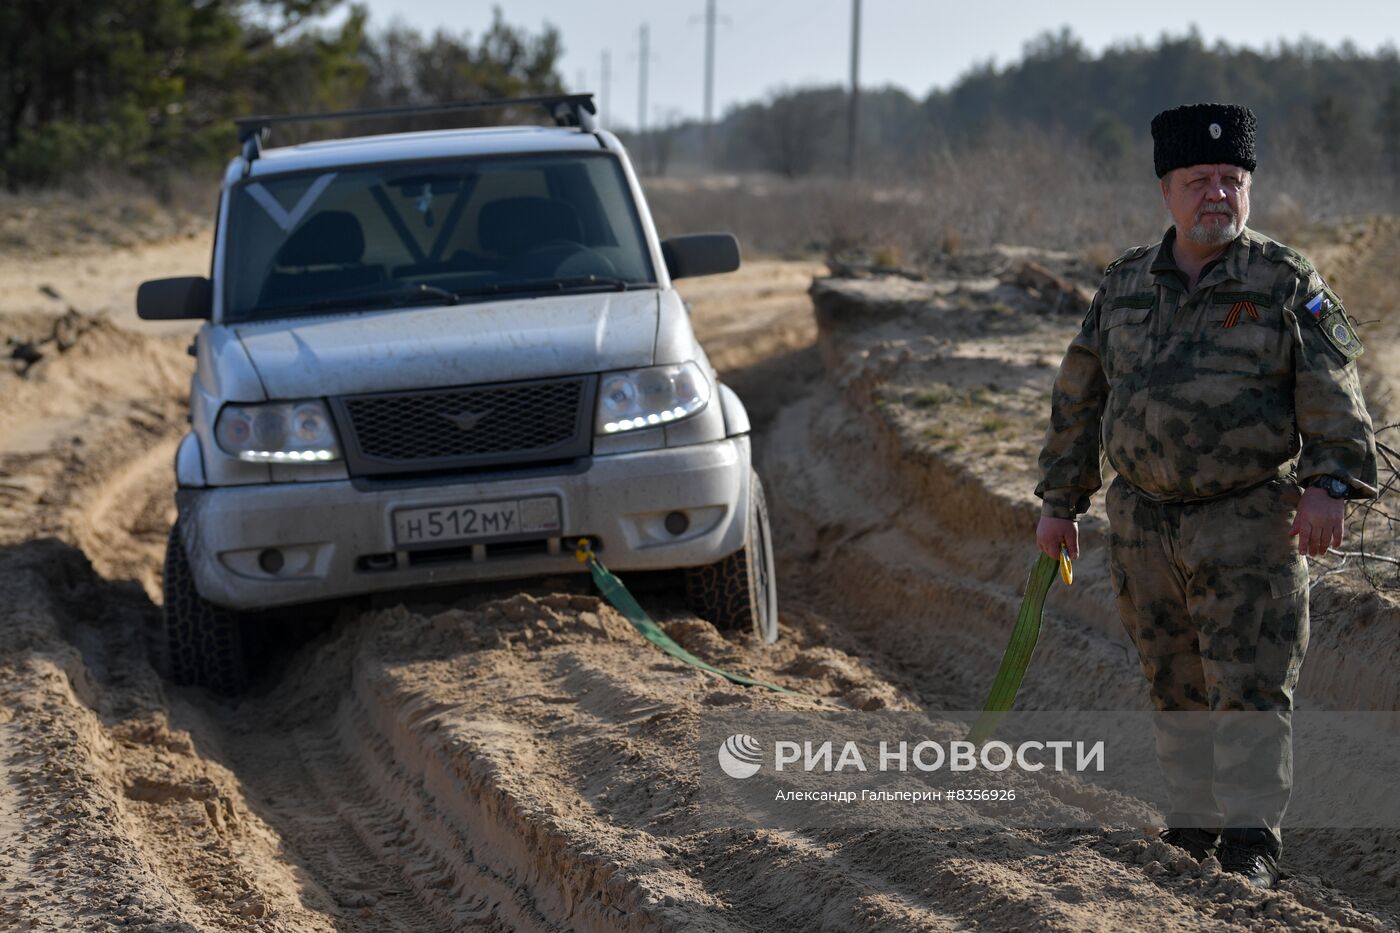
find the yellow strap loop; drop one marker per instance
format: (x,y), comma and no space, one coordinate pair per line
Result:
(1066,568)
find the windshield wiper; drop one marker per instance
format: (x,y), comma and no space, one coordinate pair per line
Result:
(567,283)
(421,293)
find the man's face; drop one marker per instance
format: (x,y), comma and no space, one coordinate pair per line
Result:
(1208,203)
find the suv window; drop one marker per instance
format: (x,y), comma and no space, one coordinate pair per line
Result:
(393,234)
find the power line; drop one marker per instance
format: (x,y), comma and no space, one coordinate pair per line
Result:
(606,85)
(644,55)
(853,112)
(711,19)
(709,79)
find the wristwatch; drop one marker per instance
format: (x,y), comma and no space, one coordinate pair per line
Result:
(1336,488)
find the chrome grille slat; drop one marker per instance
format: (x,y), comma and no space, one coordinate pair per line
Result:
(515,423)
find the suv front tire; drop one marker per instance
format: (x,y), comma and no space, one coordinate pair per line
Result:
(740,592)
(197,643)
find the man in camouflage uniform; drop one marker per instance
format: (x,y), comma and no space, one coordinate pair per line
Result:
(1216,371)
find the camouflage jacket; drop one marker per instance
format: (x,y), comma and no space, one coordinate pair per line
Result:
(1249,377)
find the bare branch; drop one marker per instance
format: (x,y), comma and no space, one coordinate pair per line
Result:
(1366,556)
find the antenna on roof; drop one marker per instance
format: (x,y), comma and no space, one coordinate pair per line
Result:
(566,109)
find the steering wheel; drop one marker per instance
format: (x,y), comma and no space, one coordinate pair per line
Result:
(560,257)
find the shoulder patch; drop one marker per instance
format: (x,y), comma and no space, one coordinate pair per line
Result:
(1324,308)
(1338,330)
(1321,302)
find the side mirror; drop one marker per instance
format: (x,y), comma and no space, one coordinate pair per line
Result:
(186,298)
(700,254)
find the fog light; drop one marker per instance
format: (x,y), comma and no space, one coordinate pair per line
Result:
(271,560)
(677,523)
(377,562)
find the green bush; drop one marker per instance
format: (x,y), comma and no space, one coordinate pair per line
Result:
(149,86)
(45,154)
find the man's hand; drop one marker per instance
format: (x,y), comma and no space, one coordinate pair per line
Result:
(1319,522)
(1052,532)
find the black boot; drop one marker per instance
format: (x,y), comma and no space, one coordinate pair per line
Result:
(1253,853)
(1200,843)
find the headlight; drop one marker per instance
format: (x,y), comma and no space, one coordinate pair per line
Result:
(280,432)
(648,398)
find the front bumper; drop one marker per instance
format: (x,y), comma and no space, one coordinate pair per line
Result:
(336,539)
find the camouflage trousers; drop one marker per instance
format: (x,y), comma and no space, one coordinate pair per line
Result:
(1214,596)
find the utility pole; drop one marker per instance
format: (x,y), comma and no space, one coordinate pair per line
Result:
(709,80)
(645,38)
(853,111)
(603,95)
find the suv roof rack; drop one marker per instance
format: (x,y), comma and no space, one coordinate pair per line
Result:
(566,109)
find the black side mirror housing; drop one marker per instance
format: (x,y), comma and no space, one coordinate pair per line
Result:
(700,254)
(187,298)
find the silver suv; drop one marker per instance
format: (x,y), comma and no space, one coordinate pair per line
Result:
(441,357)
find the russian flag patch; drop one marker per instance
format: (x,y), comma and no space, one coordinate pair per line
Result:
(1319,304)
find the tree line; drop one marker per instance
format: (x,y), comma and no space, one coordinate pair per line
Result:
(151,86)
(1320,109)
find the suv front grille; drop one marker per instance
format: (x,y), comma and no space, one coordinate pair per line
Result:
(515,423)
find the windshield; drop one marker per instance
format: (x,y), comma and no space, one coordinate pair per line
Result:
(431,232)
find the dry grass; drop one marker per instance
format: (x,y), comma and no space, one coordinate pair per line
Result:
(1014,188)
(101,212)
(984,425)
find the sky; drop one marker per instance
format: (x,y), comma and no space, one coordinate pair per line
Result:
(918,46)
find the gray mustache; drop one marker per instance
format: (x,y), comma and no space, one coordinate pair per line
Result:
(1215,209)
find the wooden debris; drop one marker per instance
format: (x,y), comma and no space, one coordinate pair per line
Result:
(62,337)
(1059,294)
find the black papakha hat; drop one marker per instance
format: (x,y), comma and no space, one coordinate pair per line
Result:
(1203,134)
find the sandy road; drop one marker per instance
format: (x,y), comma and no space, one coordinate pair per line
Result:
(517,759)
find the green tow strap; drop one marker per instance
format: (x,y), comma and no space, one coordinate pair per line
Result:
(1022,645)
(624,602)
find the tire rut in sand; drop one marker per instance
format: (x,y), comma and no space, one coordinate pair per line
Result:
(125,816)
(393,797)
(333,822)
(524,763)
(122,524)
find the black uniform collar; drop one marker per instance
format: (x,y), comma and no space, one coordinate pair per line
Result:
(1232,262)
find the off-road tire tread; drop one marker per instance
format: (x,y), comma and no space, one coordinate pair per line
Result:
(725,593)
(719,592)
(203,643)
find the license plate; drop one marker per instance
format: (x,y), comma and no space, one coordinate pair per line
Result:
(477,521)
